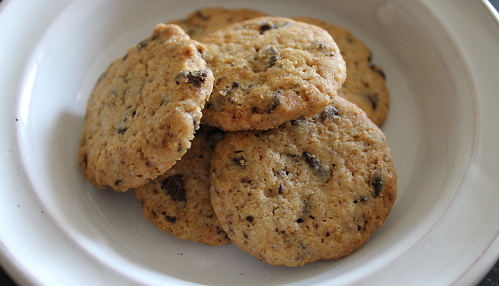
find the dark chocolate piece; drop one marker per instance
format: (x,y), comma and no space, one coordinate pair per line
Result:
(174,185)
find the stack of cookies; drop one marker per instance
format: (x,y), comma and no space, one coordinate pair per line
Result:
(246,129)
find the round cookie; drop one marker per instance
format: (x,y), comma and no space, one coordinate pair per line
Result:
(270,70)
(207,20)
(178,202)
(144,109)
(365,85)
(311,189)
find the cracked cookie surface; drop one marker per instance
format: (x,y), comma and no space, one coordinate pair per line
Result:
(270,70)
(178,202)
(208,20)
(311,189)
(365,85)
(144,109)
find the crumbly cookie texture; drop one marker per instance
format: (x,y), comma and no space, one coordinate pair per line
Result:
(312,189)
(178,202)
(144,110)
(270,70)
(365,85)
(208,20)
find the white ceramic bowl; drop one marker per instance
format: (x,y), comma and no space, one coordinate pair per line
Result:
(442,68)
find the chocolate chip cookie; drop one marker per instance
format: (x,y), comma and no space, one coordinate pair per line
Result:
(207,20)
(365,84)
(178,202)
(144,109)
(311,189)
(270,70)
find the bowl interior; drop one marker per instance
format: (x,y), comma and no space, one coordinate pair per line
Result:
(429,128)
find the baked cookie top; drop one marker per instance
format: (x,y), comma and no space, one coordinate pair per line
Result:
(365,85)
(207,20)
(270,70)
(178,202)
(144,109)
(311,189)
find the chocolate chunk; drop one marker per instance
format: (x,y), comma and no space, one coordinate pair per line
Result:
(171,219)
(264,59)
(299,220)
(228,91)
(281,188)
(312,163)
(85,159)
(122,130)
(272,105)
(200,14)
(239,161)
(322,48)
(361,199)
(306,208)
(174,185)
(328,112)
(143,44)
(197,78)
(250,218)
(266,26)
(272,56)
(275,101)
(377,183)
(374,99)
(117,182)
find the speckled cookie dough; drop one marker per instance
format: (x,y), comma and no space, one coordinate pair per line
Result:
(365,85)
(178,202)
(144,110)
(312,189)
(207,20)
(270,70)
